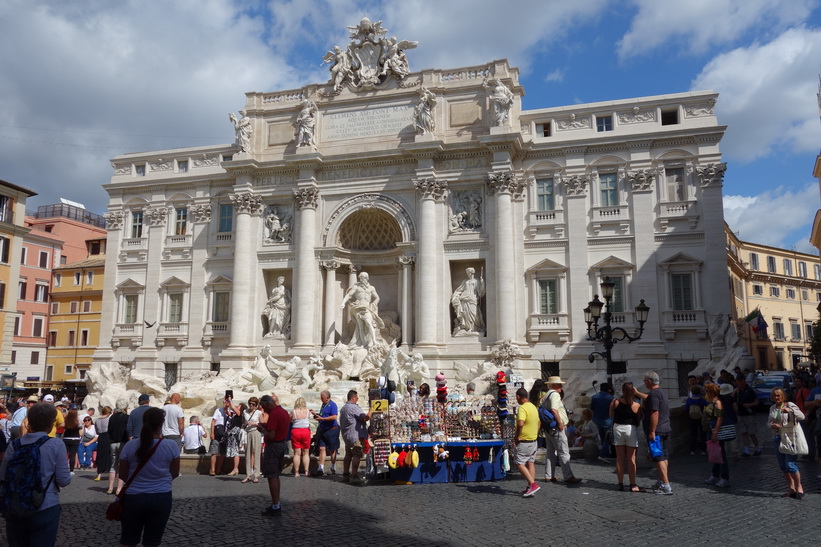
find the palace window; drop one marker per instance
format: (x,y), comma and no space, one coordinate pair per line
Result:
(175,308)
(6,209)
(37,327)
(778,329)
(180,221)
(608,188)
(221,307)
(130,311)
(136,224)
(545,200)
(802,269)
(40,292)
(548,296)
(771,264)
(753,261)
(758,290)
(182,166)
(226,218)
(43,262)
(674,188)
(775,292)
(787,266)
(604,123)
(5,248)
(682,291)
(791,294)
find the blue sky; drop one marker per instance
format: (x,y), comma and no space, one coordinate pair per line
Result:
(85,81)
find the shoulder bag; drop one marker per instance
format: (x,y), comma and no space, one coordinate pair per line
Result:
(793,441)
(114,511)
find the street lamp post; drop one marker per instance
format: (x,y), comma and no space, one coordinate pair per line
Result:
(607,334)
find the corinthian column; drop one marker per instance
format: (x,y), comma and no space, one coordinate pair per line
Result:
(504,186)
(329,329)
(245,205)
(430,190)
(306,268)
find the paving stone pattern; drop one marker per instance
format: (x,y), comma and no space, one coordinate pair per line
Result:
(220,511)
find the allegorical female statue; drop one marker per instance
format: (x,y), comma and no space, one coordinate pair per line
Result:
(278,311)
(465,302)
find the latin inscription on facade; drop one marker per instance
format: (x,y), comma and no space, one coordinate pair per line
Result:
(371,122)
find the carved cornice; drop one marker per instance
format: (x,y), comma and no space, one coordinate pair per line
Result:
(114,219)
(504,182)
(201,213)
(712,174)
(576,185)
(156,216)
(431,188)
(307,198)
(642,180)
(596,241)
(662,238)
(247,203)
(546,244)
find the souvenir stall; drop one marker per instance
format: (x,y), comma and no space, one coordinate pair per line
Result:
(449,438)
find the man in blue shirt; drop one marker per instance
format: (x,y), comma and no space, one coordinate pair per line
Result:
(600,406)
(135,419)
(327,433)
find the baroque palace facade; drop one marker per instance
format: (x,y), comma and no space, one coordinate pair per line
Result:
(416,178)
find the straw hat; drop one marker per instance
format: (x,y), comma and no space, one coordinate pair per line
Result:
(554,380)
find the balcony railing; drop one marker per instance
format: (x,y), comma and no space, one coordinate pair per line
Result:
(678,210)
(673,320)
(538,323)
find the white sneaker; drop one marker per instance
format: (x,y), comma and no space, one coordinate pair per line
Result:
(723,483)
(712,480)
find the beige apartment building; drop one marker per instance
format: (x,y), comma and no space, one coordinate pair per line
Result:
(785,286)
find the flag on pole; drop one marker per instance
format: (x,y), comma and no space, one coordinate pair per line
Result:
(756,320)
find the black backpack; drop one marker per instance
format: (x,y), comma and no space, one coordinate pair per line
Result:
(23,492)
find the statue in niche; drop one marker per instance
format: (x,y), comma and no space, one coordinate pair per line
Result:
(467,211)
(277,312)
(340,67)
(501,101)
(465,302)
(306,124)
(423,112)
(277,226)
(242,129)
(364,311)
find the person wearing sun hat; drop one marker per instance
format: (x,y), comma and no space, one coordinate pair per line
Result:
(20,415)
(557,445)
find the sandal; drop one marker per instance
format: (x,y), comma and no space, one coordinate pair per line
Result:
(635,488)
(256,480)
(109,492)
(621,487)
(213,474)
(246,479)
(233,473)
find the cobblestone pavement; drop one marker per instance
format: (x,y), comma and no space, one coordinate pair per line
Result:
(220,511)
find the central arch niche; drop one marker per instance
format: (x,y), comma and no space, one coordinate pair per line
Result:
(369,230)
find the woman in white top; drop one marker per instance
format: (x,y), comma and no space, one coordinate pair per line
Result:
(147,501)
(300,436)
(88,443)
(253,442)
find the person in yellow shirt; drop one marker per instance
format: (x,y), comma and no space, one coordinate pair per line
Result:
(527,429)
(59,421)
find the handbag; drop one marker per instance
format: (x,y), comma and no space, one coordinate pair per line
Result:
(655,447)
(793,441)
(714,452)
(114,511)
(726,433)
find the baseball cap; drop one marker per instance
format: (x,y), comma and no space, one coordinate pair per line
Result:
(48,398)
(143,398)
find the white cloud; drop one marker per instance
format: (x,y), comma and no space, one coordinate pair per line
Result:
(696,25)
(768,95)
(776,217)
(555,76)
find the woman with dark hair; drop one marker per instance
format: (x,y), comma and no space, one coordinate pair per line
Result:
(537,392)
(424,391)
(41,527)
(103,443)
(150,463)
(88,443)
(71,437)
(626,414)
(715,415)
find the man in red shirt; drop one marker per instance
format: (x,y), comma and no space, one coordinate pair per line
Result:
(274,431)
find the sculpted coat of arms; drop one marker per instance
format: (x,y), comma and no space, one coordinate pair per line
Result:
(369,59)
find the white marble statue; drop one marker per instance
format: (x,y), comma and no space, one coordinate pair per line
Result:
(501,101)
(340,66)
(465,302)
(466,210)
(364,311)
(393,57)
(278,311)
(415,369)
(243,129)
(423,112)
(306,124)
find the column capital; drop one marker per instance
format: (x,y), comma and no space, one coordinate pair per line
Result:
(404,261)
(247,203)
(307,198)
(712,174)
(330,265)
(504,182)
(431,188)
(156,215)
(642,180)
(201,213)
(114,219)
(576,185)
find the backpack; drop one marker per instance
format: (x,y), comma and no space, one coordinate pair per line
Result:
(546,417)
(23,493)
(696,411)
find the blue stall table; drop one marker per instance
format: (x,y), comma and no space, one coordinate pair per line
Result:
(454,469)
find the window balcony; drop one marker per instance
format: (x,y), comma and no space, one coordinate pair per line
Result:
(172,332)
(678,211)
(216,330)
(133,243)
(128,334)
(616,217)
(546,221)
(548,323)
(681,320)
(183,240)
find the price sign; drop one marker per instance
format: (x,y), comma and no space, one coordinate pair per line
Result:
(379,405)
